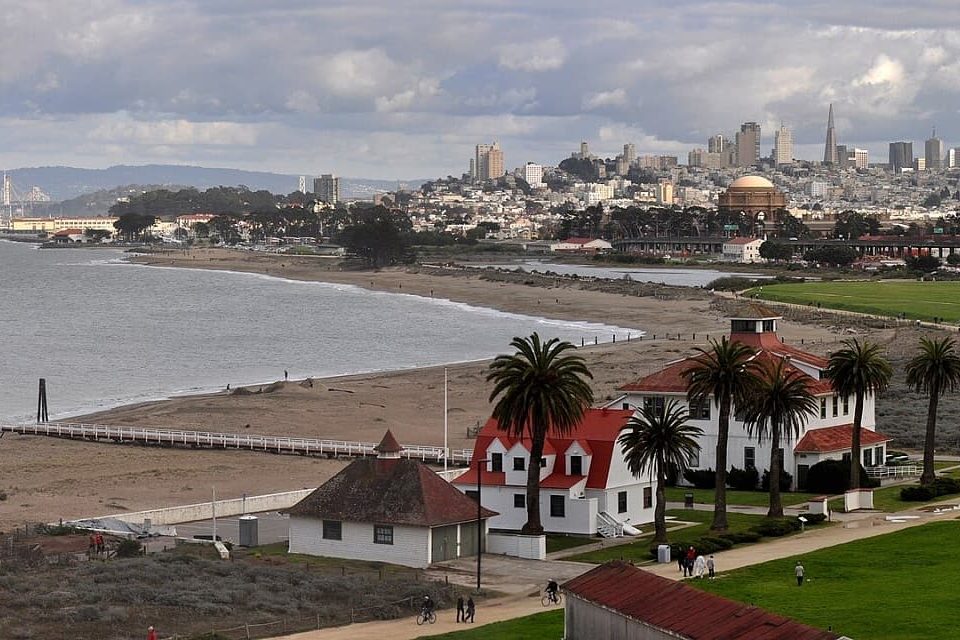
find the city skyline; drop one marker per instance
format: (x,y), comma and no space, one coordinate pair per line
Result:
(368,91)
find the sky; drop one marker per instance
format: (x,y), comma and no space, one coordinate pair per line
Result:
(396,89)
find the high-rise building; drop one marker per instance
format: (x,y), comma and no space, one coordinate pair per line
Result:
(830,147)
(629,153)
(302,185)
(783,146)
(748,144)
(953,156)
(933,152)
(664,191)
(861,158)
(533,174)
(327,188)
(920,164)
(843,157)
(488,162)
(716,144)
(901,156)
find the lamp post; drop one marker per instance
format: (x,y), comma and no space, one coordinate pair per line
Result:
(480,464)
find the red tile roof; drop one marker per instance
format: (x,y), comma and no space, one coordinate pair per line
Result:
(749,310)
(682,610)
(839,438)
(739,240)
(559,481)
(598,432)
(389,444)
(389,491)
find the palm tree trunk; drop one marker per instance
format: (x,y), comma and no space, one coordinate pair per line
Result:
(720,492)
(533,525)
(855,456)
(928,475)
(776,504)
(660,508)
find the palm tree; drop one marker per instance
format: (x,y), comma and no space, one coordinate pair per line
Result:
(540,387)
(934,371)
(778,410)
(722,372)
(857,369)
(658,439)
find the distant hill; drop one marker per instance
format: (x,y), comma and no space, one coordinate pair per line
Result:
(64,183)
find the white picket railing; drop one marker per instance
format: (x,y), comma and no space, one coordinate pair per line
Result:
(214,440)
(895,471)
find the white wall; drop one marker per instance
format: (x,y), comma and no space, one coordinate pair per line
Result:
(411,545)
(580,515)
(517,546)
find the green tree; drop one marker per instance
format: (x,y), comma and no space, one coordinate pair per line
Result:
(858,369)
(657,440)
(925,263)
(539,388)
(377,235)
(775,251)
(778,409)
(132,225)
(96,235)
(953,259)
(933,371)
(721,372)
(851,225)
(791,226)
(836,255)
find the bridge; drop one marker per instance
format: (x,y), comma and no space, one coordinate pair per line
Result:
(149,436)
(939,245)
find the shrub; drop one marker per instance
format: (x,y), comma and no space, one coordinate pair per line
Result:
(743,479)
(813,518)
(701,478)
(833,476)
(945,485)
(776,527)
(786,481)
(719,542)
(917,494)
(741,537)
(129,548)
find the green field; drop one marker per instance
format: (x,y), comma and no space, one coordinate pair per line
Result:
(891,587)
(546,626)
(915,300)
(743,498)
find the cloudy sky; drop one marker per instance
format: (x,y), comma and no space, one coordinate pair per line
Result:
(404,89)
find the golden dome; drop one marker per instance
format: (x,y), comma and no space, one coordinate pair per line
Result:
(751,182)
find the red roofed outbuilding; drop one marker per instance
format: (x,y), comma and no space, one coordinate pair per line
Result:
(826,435)
(585,486)
(618,601)
(387,509)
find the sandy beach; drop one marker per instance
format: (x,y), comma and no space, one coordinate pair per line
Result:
(46,479)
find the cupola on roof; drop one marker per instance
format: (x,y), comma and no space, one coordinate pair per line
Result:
(751,182)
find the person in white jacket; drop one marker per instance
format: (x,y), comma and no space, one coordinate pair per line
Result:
(699,566)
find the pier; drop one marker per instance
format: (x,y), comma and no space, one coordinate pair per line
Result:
(149,436)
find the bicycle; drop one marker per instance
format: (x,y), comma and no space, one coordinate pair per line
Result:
(551,598)
(425,616)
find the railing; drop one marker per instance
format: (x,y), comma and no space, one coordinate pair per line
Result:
(214,440)
(897,471)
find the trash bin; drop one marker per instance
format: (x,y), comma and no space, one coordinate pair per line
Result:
(688,501)
(663,554)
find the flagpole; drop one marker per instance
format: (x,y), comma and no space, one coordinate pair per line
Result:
(446,449)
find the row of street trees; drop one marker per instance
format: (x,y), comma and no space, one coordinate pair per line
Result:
(542,387)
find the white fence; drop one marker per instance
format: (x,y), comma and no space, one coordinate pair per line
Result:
(214,440)
(898,471)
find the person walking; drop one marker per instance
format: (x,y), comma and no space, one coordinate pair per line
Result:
(699,566)
(471,609)
(691,557)
(710,567)
(151,633)
(799,572)
(460,613)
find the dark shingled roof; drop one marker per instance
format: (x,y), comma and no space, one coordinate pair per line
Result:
(389,444)
(681,610)
(389,491)
(752,311)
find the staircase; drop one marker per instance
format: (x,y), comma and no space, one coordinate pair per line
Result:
(608,526)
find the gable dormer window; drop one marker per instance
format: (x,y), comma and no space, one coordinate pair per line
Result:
(576,465)
(519,464)
(496,462)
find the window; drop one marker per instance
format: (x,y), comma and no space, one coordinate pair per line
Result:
(878,457)
(749,458)
(496,462)
(557,507)
(654,403)
(695,459)
(576,466)
(846,405)
(332,530)
(520,501)
(519,464)
(836,406)
(846,457)
(625,406)
(543,462)
(472,494)
(823,407)
(647,497)
(382,534)
(700,409)
(743,326)
(621,502)
(868,457)
(768,325)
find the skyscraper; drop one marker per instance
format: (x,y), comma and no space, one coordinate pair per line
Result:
(933,152)
(629,153)
(748,144)
(302,184)
(901,156)
(783,146)
(716,144)
(488,162)
(830,147)
(327,188)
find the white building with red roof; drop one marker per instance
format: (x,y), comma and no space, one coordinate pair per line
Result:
(585,485)
(827,435)
(742,250)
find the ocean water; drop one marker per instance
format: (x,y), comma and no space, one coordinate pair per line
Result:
(105,333)
(675,277)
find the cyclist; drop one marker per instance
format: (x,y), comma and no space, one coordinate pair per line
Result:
(427,606)
(552,589)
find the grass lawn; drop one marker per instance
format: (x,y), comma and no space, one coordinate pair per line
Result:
(744,498)
(557,542)
(891,587)
(639,551)
(539,626)
(916,300)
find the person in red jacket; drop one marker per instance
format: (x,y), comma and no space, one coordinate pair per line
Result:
(151,634)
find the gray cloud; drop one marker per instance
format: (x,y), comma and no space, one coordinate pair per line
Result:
(403,89)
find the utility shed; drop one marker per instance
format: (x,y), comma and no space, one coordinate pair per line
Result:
(618,601)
